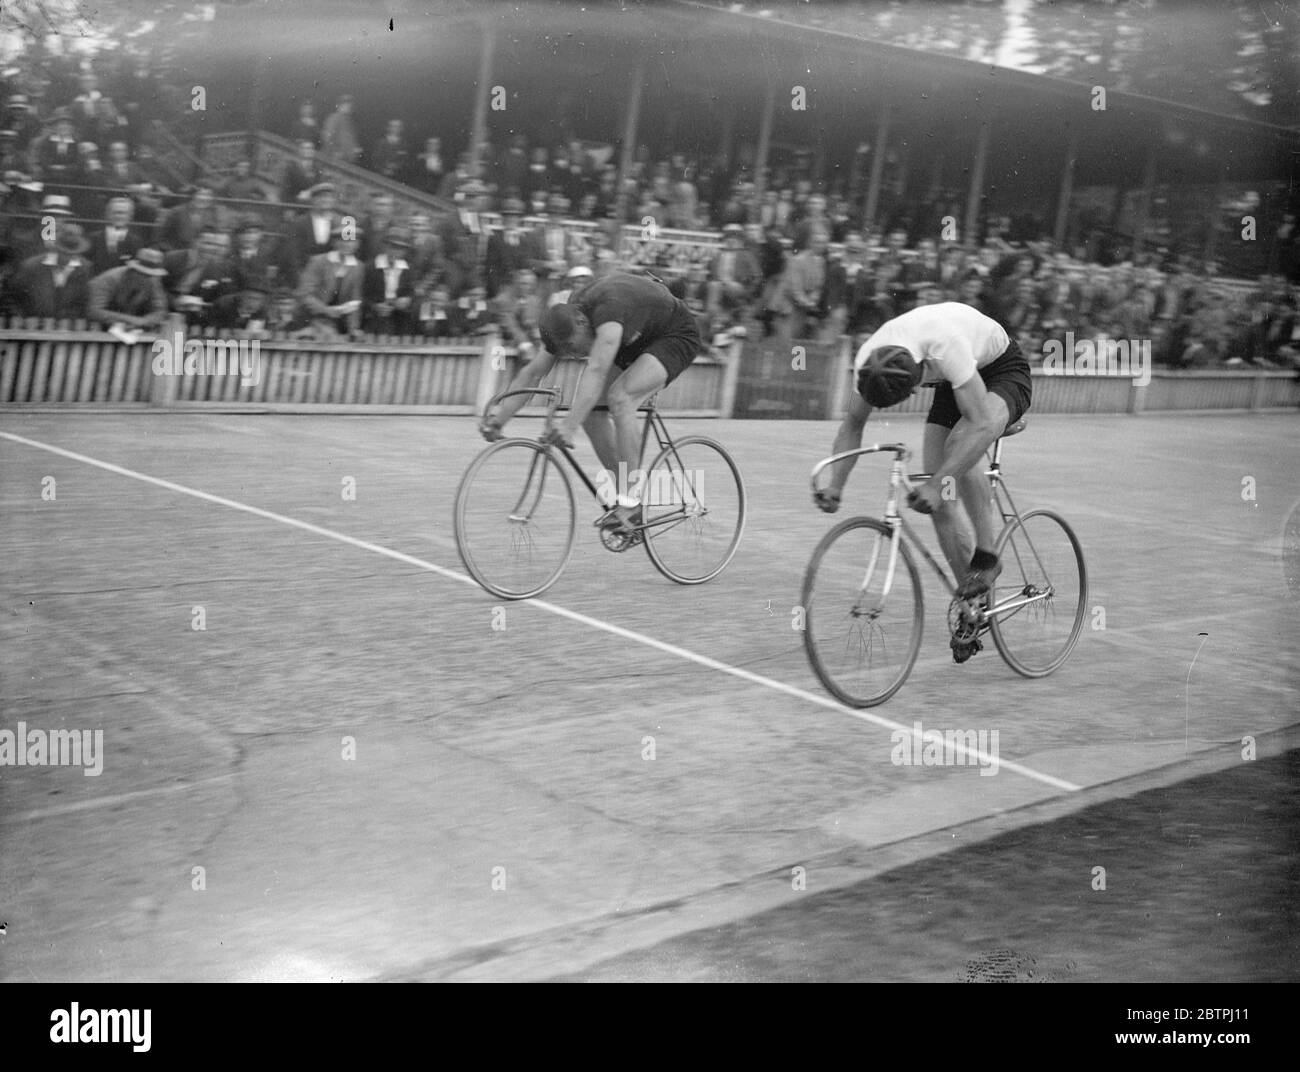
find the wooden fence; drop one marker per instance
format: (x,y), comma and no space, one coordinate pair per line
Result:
(65,363)
(69,363)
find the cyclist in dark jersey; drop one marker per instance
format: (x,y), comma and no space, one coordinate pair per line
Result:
(637,338)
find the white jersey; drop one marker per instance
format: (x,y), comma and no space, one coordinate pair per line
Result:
(951,340)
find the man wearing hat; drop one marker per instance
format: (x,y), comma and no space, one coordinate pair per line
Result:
(20,118)
(115,243)
(735,275)
(56,283)
(576,280)
(252,264)
(553,240)
(56,153)
(464,236)
(509,249)
(311,235)
(12,158)
(132,295)
(388,286)
(330,287)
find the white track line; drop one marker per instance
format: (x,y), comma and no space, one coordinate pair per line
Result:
(972,756)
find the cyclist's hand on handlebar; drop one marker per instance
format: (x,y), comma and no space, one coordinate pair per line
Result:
(490,428)
(827,500)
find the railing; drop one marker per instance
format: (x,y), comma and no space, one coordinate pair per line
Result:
(63,363)
(270,153)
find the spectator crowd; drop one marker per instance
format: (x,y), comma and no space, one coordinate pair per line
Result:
(91,231)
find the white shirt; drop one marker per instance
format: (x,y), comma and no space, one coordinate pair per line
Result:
(951,339)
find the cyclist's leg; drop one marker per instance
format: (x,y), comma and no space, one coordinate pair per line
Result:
(626,393)
(974,487)
(599,427)
(949,521)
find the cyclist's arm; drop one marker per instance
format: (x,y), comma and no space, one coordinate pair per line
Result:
(604,349)
(849,437)
(975,434)
(529,376)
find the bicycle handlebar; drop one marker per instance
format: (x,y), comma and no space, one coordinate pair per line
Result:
(876,448)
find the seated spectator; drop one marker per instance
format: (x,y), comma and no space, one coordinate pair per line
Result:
(471,312)
(436,317)
(112,245)
(736,275)
(426,249)
(575,281)
(132,295)
(120,172)
(390,156)
(199,276)
(301,175)
(243,185)
(375,225)
(312,234)
(57,160)
(801,297)
(518,307)
(388,286)
(55,284)
(181,226)
(509,249)
(253,264)
(245,309)
(464,236)
(330,287)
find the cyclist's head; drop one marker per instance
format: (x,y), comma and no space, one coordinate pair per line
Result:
(565,331)
(889,376)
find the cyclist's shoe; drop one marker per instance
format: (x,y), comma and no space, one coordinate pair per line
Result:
(978,582)
(625,520)
(964,649)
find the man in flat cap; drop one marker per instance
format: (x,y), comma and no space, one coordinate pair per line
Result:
(330,287)
(131,295)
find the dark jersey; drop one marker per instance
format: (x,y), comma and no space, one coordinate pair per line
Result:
(645,309)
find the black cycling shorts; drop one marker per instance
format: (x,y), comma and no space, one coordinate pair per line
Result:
(676,348)
(1008,377)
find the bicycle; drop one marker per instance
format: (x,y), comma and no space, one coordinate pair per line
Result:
(515,514)
(858,606)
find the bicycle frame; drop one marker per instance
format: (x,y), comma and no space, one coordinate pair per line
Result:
(653,423)
(900,479)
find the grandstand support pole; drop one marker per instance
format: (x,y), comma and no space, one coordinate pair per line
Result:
(630,124)
(1066,191)
(1212,221)
(976,184)
(1144,202)
(877,167)
(730,379)
(479,129)
(764,140)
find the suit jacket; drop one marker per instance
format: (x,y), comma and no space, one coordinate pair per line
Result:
(296,179)
(374,291)
(181,226)
(464,243)
(328,280)
(38,292)
(102,258)
(303,242)
(503,258)
(125,295)
(737,266)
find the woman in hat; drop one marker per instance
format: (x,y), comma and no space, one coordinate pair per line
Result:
(56,283)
